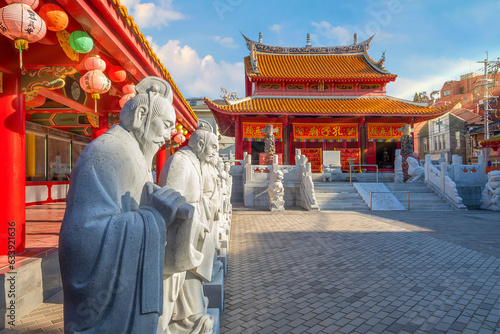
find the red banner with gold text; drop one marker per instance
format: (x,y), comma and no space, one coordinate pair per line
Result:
(325,131)
(255,130)
(384,131)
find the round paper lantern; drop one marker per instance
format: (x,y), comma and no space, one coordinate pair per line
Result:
(95,82)
(95,63)
(20,23)
(179,139)
(179,127)
(54,16)
(185,132)
(80,41)
(32,3)
(129,89)
(117,74)
(125,98)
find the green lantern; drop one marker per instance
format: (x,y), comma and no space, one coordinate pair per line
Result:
(80,41)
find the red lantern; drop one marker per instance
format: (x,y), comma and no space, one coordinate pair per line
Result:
(36,101)
(32,3)
(20,23)
(117,74)
(54,16)
(129,89)
(124,99)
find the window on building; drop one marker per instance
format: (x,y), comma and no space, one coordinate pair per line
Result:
(425,144)
(435,144)
(35,157)
(192,103)
(446,92)
(444,142)
(461,90)
(58,159)
(457,138)
(76,149)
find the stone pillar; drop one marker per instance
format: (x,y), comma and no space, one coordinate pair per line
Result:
(238,139)
(428,163)
(286,141)
(362,143)
(12,165)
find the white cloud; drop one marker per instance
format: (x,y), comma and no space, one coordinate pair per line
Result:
(276,28)
(338,34)
(150,14)
(437,72)
(199,76)
(227,42)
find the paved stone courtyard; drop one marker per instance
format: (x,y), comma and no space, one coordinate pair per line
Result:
(351,272)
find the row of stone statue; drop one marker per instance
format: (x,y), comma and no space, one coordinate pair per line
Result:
(134,255)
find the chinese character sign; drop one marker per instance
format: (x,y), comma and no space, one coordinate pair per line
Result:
(325,131)
(253,130)
(384,131)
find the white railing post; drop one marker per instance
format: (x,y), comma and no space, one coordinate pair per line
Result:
(428,164)
(456,161)
(443,174)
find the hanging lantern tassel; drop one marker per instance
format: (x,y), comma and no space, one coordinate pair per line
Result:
(95,96)
(21,44)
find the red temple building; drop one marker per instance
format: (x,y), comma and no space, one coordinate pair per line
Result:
(47,118)
(319,99)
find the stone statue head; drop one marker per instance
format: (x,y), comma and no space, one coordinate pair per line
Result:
(204,142)
(227,166)
(149,116)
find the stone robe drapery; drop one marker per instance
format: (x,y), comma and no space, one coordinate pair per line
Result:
(182,172)
(111,251)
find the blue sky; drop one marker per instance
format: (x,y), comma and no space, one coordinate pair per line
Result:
(426,42)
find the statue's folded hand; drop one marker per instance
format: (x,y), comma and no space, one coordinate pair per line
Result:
(169,203)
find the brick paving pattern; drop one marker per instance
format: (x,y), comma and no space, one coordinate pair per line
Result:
(351,272)
(331,272)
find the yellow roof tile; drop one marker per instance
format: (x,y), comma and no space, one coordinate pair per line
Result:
(336,106)
(316,66)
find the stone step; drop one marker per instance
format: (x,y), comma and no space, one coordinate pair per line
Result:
(348,206)
(335,196)
(340,201)
(419,197)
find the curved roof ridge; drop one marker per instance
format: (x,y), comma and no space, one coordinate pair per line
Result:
(254,46)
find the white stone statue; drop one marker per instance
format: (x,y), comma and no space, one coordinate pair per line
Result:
(414,170)
(490,199)
(185,306)
(276,191)
(327,174)
(112,238)
(398,167)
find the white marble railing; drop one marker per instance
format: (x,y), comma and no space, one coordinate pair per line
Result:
(439,180)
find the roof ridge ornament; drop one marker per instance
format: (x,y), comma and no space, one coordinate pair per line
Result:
(308,41)
(254,47)
(355,39)
(260,37)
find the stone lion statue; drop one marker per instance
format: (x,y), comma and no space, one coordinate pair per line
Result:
(276,191)
(414,170)
(490,199)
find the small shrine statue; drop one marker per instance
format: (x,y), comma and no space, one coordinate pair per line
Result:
(414,170)
(276,191)
(491,194)
(398,167)
(386,160)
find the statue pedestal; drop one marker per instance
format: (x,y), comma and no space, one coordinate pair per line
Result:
(214,291)
(267,158)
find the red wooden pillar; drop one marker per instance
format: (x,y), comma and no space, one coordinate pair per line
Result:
(12,165)
(161,158)
(103,127)
(238,138)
